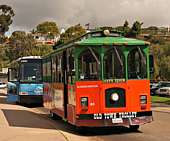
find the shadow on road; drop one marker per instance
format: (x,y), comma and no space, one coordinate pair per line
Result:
(66,127)
(23,118)
(28,119)
(2,98)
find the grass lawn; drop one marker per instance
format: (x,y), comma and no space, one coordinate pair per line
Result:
(158,99)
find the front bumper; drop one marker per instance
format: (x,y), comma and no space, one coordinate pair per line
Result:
(31,99)
(89,121)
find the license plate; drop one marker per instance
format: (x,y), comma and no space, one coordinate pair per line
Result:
(117,120)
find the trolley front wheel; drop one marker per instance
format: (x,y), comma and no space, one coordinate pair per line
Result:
(134,127)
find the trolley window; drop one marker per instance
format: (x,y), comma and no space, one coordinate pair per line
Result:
(89,65)
(59,71)
(114,64)
(71,66)
(137,64)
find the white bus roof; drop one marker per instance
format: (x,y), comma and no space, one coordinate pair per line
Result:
(29,57)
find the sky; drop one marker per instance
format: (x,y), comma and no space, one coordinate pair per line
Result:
(29,13)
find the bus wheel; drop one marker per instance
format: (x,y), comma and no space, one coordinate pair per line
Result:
(134,127)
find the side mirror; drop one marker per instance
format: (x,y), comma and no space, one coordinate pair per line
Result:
(12,75)
(151,64)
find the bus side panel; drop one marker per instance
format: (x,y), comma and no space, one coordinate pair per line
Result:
(12,92)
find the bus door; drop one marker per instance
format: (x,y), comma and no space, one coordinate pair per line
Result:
(12,87)
(65,81)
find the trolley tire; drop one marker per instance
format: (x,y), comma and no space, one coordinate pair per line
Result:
(134,128)
(54,116)
(80,130)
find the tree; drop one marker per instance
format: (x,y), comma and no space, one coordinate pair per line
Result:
(22,44)
(126,28)
(47,28)
(4,60)
(6,14)
(3,39)
(106,28)
(136,29)
(72,33)
(162,58)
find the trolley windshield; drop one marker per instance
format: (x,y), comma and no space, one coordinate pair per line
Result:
(89,64)
(114,64)
(137,68)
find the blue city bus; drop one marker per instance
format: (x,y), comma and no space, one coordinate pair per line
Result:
(25,81)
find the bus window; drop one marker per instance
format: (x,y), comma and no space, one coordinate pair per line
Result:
(89,65)
(136,64)
(114,64)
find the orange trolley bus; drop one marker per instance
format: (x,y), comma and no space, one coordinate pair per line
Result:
(100,79)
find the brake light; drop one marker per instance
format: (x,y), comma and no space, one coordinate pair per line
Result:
(84,103)
(143,101)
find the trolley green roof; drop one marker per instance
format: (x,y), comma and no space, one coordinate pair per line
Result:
(97,41)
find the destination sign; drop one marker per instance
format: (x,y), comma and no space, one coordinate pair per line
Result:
(115,115)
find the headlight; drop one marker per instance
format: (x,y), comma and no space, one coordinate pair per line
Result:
(115,97)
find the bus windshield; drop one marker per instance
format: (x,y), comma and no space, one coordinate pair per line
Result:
(31,71)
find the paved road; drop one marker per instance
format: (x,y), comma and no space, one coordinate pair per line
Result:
(18,123)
